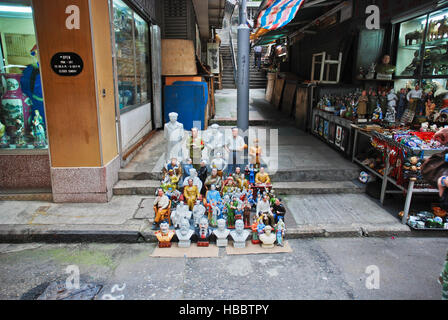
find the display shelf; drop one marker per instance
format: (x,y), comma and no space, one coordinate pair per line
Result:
(386,179)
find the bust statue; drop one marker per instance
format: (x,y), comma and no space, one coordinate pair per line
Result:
(164,235)
(174,134)
(221,233)
(267,238)
(203,233)
(239,235)
(184,234)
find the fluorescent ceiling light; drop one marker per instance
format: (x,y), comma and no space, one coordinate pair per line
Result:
(15,9)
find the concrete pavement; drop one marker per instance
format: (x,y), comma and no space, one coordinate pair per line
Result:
(335,269)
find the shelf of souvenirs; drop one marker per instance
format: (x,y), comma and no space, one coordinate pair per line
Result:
(428,45)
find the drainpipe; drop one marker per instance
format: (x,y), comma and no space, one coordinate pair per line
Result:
(243,69)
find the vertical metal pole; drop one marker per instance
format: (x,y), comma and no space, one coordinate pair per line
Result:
(243,69)
(407,205)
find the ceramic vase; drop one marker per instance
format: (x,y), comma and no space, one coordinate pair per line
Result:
(14,103)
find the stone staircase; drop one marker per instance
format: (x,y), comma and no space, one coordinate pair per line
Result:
(298,182)
(228,80)
(258,78)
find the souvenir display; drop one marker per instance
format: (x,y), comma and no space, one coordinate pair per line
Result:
(227,210)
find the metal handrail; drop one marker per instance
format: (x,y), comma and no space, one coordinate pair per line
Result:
(232,52)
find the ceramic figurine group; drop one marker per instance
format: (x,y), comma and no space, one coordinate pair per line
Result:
(216,200)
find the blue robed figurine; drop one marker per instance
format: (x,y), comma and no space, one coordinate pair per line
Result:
(213,198)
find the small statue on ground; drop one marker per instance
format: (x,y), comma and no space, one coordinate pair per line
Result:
(174,134)
(203,233)
(239,235)
(164,235)
(280,230)
(184,234)
(221,234)
(267,238)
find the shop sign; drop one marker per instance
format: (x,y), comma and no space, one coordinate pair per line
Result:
(67,64)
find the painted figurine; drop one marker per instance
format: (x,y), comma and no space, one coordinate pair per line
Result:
(362,105)
(37,130)
(20,134)
(170,181)
(213,179)
(280,232)
(262,178)
(164,235)
(255,154)
(161,208)
(195,145)
(198,212)
(203,233)
(191,194)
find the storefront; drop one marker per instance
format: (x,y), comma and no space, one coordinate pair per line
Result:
(77,94)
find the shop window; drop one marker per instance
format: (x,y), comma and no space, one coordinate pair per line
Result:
(22,115)
(435,61)
(132,57)
(410,46)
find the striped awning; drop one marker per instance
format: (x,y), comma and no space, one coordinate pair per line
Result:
(277,13)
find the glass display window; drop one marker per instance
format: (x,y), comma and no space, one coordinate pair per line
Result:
(22,113)
(435,61)
(410,47)
(132,56)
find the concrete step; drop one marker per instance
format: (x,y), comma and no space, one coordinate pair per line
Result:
(282,175)
(136,187)
(317,187)
(149,187)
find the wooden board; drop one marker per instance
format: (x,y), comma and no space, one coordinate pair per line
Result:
(270,86)
(278,91)
(288,98)
(178,57)
(301,108)
(170,80)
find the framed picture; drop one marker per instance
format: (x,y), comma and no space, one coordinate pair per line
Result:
(338,139)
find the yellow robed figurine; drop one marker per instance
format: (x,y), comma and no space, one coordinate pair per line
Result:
(191,194)
(262,177)
(240,179)
(255,154)
(170,181)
